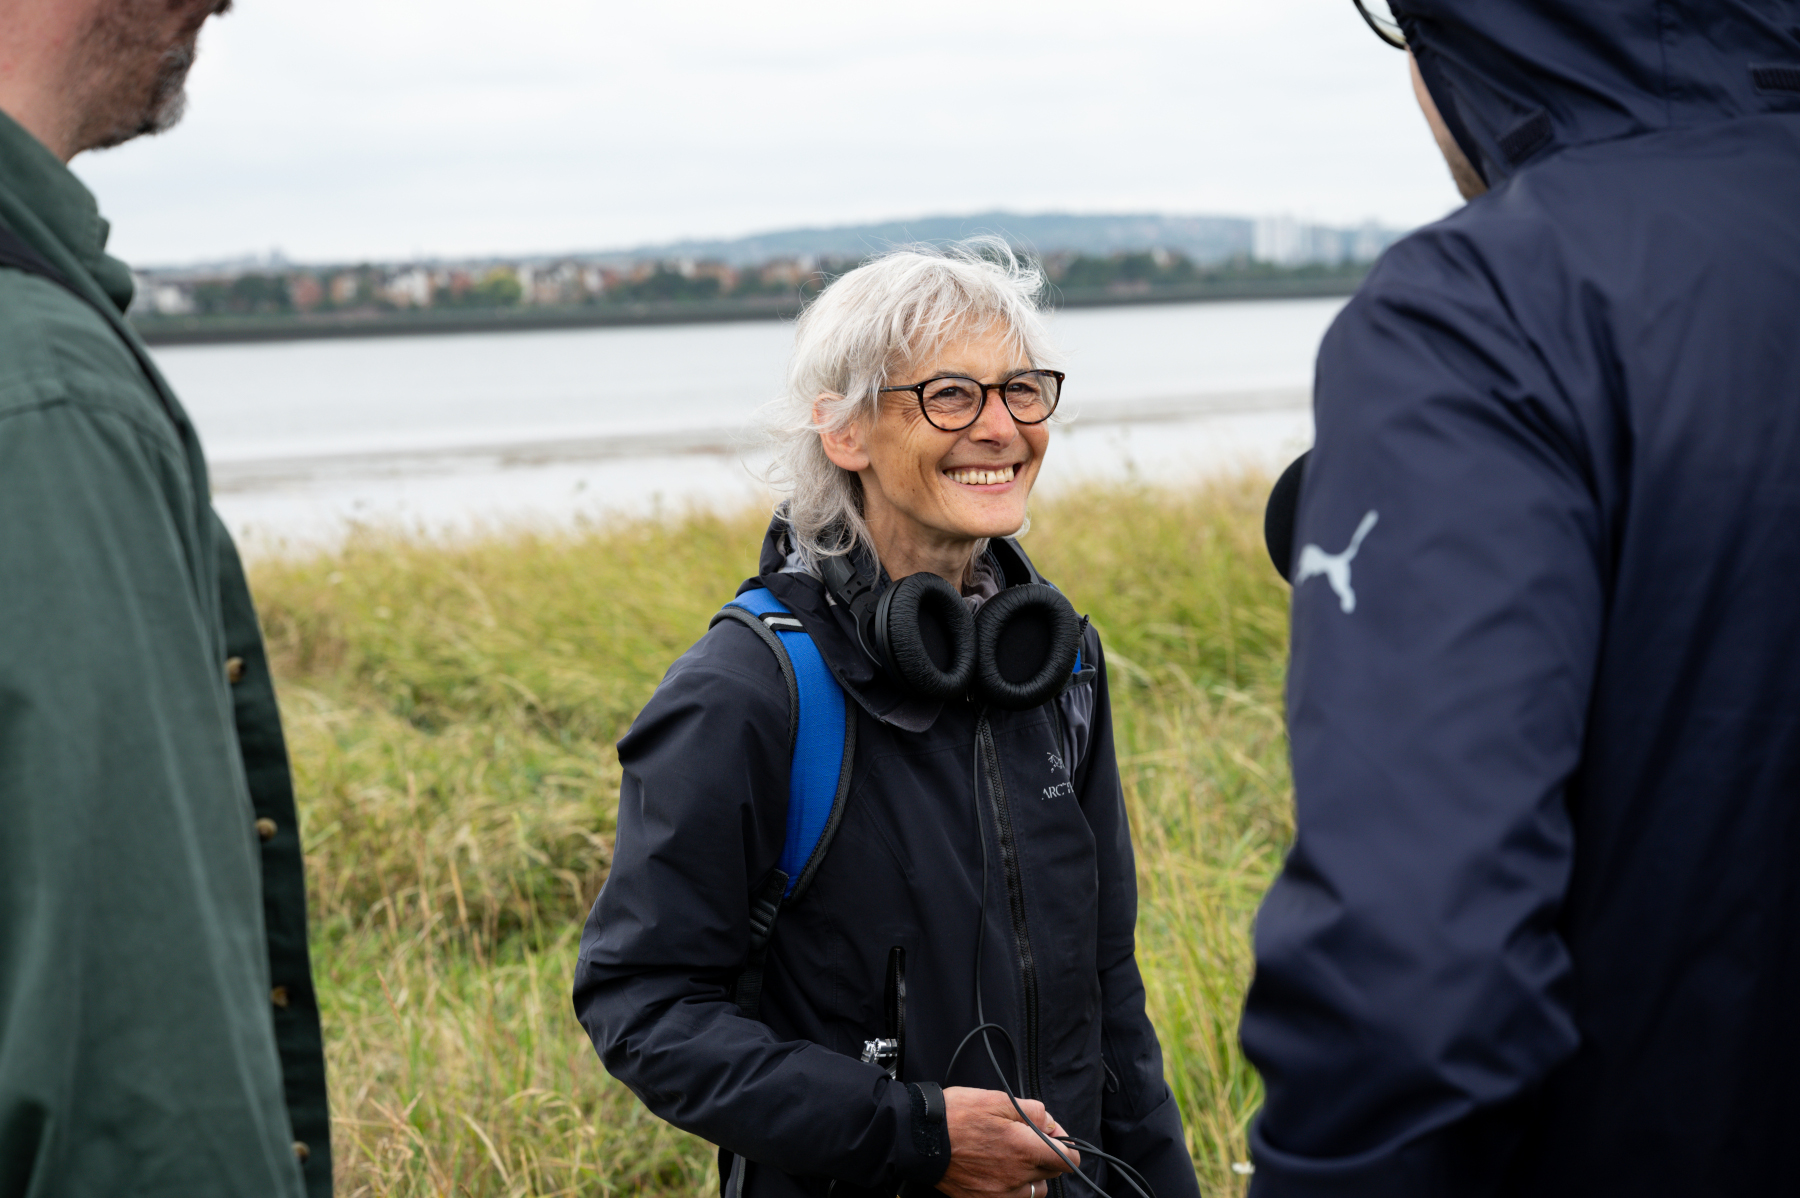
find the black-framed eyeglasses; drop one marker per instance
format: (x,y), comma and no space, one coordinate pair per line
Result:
(952,403)
(1380,16)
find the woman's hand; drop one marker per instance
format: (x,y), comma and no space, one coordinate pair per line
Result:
(992,1153)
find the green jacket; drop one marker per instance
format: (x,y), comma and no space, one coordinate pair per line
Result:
(158,1029)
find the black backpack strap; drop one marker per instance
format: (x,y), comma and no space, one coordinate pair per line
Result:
(17,254)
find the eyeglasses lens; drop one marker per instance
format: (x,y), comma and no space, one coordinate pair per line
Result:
(1031,397)
(953,403)
(1380,16)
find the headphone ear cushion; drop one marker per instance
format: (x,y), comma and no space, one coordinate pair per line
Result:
(926,637)
(1026,639)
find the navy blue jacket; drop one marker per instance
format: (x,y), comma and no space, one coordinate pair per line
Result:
(702,816)
(1538,932)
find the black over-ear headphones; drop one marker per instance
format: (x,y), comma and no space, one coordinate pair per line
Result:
(1016,653)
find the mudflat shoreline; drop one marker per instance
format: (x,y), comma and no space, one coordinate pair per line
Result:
(220,330)
(231,475)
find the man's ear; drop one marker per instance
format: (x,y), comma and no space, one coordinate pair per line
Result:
(845,446)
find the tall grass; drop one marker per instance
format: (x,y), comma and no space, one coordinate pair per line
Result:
(452,708)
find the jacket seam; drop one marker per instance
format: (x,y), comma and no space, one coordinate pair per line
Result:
(152,433)
(49,368)
(1663,26)
(724,669)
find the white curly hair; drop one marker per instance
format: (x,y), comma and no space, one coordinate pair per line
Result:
(892,311)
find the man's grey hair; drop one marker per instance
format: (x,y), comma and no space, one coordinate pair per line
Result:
(885,316)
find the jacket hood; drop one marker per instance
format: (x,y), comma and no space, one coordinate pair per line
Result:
(1516,80)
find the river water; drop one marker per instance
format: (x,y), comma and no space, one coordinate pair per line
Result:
(481,431)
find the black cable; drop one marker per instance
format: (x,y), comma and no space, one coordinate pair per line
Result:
(1136,1180)
(979,1028)
(1085,1147)
(982,1026)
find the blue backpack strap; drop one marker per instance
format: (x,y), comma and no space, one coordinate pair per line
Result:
(822,746)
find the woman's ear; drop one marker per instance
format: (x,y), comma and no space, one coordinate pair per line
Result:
(844,446)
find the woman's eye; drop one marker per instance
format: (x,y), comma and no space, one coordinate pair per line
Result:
(949,393)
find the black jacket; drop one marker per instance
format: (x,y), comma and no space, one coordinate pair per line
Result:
(702,816)
(1538,932)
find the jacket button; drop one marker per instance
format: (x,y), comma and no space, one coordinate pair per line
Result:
(279,996)
(265,829)
(301,1151)
(234,670)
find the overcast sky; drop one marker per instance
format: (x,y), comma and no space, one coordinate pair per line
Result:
(335,130)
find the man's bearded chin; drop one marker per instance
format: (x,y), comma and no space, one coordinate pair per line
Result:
(162,109)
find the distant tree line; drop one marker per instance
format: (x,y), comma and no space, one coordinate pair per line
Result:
(375,289)
(1149,270)
(245,295)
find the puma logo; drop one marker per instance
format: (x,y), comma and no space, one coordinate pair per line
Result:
(1335,566)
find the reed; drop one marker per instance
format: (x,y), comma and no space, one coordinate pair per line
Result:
(451,710)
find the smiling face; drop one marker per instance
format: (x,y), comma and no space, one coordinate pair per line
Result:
(929,495)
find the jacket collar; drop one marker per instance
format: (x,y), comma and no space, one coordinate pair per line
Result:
(48,207)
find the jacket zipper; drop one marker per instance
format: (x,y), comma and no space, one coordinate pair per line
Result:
(1015,893)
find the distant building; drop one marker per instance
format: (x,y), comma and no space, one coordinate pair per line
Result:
(727,276)
(344,288)
(1285,241)
(409,289)
(166,299)
(306,291)
(559,284)
(786,272)
(1279,239)
(1369,240)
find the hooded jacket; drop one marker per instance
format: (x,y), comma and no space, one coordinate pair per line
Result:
(1536,934)
(702,816)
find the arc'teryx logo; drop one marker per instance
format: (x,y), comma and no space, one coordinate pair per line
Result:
(1335,566)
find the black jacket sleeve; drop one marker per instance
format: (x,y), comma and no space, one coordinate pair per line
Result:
(702,816)
(1140,1123)
(1410,979)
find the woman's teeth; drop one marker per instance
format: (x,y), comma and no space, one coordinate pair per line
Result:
(978,478)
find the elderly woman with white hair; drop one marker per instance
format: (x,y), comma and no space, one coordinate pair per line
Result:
(870,921)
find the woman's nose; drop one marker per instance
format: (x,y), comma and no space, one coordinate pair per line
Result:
(995,422)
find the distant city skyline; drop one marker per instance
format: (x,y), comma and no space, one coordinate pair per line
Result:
(1122,254)
(389,129)
(1278,238)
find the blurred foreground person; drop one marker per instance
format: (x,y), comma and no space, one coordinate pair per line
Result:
(1537,934)
(158,1033)
(895,749)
